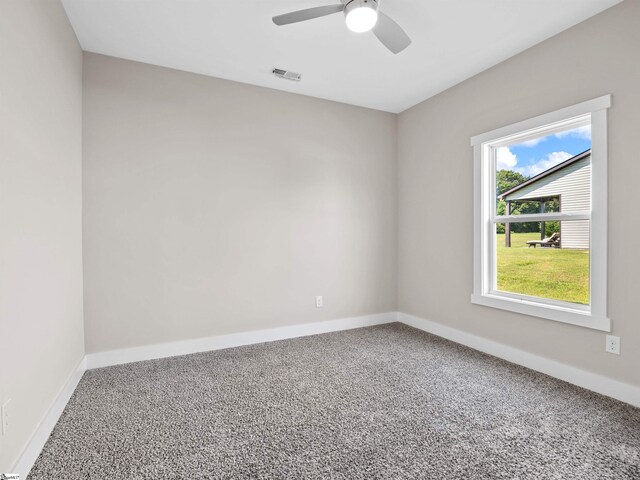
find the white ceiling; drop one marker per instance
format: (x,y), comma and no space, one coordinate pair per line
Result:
(235,39)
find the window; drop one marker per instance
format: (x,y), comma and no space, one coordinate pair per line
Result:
(540,214)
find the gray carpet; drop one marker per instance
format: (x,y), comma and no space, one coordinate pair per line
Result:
(375,403)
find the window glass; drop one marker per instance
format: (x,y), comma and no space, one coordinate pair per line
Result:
(537,264)
(541,176)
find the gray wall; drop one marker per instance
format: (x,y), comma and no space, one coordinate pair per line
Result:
(40,211)
(594,58)
(213,207)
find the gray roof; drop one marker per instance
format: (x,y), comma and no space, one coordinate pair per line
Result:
(546,173)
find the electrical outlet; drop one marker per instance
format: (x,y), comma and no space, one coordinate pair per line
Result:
(4,416)
(613,344)
(319,303)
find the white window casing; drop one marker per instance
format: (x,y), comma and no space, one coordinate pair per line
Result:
(484,146)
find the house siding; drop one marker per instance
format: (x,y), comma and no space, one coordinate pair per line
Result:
(573,185)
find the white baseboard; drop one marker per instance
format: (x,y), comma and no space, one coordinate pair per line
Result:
(44,429)
(185,347)
(582,378)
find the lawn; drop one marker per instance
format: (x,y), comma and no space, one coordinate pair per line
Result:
(554,273)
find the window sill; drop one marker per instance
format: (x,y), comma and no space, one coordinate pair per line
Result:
(550,312)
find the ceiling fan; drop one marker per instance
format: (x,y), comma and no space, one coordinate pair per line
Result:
(360,16)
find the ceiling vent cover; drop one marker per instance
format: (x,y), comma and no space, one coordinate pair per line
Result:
(287,75)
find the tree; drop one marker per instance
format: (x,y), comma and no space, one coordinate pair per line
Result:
(507,179)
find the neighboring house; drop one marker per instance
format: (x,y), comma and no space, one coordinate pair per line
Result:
(570,182)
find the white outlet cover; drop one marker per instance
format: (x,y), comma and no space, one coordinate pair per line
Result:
(319,303)
(613,344)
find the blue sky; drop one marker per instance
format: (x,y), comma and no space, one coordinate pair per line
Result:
(537,155)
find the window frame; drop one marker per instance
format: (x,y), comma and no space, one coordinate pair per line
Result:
(484,146)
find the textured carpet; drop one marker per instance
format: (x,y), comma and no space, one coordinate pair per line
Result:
(374,403)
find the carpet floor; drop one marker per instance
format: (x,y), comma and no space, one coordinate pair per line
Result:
(382,402)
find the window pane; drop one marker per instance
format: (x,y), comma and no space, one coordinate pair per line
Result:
(552,265)
(551,173)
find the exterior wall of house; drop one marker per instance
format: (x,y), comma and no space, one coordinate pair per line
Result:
(573,184)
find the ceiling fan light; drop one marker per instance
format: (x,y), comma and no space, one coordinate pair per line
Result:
(361,15)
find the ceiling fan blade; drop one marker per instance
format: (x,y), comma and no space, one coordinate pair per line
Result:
(391,34)
(307,14)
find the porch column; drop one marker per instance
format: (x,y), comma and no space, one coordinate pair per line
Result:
(507,227)
(543,209)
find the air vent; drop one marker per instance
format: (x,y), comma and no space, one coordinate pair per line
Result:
(287,75)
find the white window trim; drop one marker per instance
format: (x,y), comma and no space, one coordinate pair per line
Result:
(592,316)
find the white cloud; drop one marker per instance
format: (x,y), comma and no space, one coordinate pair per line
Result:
(580,132)
(540,166)
(505,159)
(532,143)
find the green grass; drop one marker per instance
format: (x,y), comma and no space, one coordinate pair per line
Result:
(554,273)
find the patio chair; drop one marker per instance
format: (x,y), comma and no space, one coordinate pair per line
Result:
(552,241)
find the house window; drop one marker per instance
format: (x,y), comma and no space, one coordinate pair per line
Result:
(540,234)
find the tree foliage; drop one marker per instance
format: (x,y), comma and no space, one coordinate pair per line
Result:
(508,179)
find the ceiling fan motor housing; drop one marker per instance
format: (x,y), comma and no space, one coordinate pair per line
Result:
(353,4)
